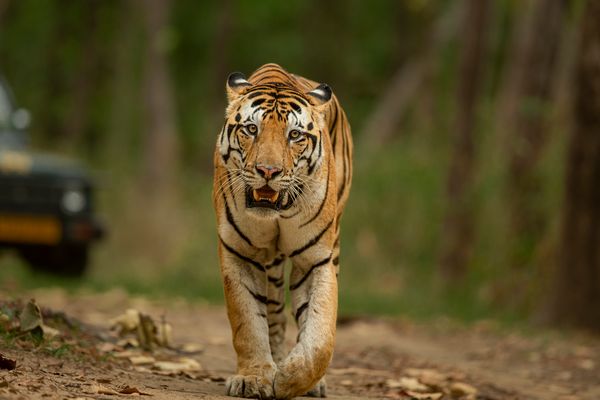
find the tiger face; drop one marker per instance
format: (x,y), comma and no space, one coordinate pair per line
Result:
(272,144)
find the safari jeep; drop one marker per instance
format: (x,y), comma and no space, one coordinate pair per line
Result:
(46,204)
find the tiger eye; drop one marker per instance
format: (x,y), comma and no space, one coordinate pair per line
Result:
(295,134)
(252,129)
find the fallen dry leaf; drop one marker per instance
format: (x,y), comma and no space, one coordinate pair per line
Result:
(425,373)
(132,390)
(96,388)
(141,360)
(358,371)
(406,383)
(31,316)
(164,333)
(127,322)
(31,319)
(148,334)
(424,396)
(105,390)
(460,389)
(127,353)
(192,348)
(183,364)
(106,347)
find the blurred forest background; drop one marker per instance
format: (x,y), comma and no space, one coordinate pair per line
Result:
(476,124)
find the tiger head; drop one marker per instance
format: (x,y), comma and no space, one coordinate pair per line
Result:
(271,144)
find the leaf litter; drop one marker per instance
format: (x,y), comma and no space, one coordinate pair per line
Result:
(134,359)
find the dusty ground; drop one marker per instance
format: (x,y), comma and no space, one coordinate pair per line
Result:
(375,358)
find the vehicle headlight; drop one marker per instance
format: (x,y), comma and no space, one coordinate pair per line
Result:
(73,201)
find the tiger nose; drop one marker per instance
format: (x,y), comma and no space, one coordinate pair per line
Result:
(268,171)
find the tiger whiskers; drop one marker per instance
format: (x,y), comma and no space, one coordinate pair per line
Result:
(232,180)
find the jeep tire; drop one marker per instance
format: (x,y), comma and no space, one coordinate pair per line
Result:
(65,259)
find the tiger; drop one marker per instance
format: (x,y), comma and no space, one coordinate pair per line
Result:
(282,176)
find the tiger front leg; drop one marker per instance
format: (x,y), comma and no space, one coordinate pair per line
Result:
(313,286)
(245,295)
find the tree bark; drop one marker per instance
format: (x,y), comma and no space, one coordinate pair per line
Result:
(160,145)
(458,225)
(576,294)
(526,102)
(86,80)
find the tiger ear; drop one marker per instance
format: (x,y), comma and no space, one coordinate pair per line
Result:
(236,85)
(321,94)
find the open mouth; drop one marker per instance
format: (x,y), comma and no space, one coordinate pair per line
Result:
(263,197)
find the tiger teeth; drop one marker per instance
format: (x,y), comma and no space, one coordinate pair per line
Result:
(258,197)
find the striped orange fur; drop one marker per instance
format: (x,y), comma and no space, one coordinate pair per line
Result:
(283,169)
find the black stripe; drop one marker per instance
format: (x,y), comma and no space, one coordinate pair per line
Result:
(255,94)
(257,102)
(260,267)
(278,309)
(336,260)
(231,189)
(296,107)
(232,222)
(277,282)
(344,164)
(273,324)
(298,99)
(305,277)
(300,310)
(230,129)
(261,72)
(312,242)
(321,206)
(290,216)
(331,130)
(222,136)
(261,298)
(275,262)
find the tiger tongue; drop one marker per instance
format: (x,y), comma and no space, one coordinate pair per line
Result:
(265,193)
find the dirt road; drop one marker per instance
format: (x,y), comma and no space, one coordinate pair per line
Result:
(374,358)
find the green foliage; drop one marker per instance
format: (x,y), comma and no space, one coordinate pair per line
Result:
(391,228)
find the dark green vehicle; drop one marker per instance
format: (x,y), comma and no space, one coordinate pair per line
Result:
(46,202)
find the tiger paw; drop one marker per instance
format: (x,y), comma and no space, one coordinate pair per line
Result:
(290,381)
(320,389)
(250,386)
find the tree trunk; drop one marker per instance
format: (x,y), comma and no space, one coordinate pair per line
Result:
(576,294)
(160,145)
(86,80)
(159,219)
(458,225)
(526,102)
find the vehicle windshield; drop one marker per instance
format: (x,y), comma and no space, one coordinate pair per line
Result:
(5,109)
(10,138)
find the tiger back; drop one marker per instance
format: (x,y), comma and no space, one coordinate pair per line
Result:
(283,170)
